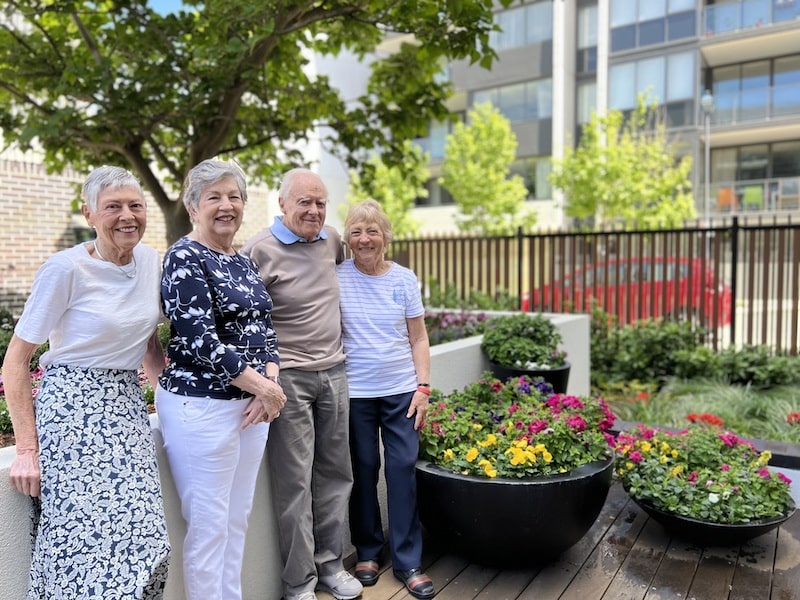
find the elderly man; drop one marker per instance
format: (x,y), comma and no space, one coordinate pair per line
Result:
(308,447)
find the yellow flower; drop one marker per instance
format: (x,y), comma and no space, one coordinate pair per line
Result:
(646,446)
(663,459)
(547,456)
(676,470)
(518,456)
(449,455)
(488,468)
(477,426)
(472,454)
(491,440)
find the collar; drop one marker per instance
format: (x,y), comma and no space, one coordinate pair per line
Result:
(287,236)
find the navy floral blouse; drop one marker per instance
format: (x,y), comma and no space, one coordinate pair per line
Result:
(220,314)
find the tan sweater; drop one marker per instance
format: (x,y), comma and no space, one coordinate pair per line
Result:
(301,278)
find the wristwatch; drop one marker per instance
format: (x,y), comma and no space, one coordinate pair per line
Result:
(274,378)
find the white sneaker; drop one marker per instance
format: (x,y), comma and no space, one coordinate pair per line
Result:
(341,586)
(302,596)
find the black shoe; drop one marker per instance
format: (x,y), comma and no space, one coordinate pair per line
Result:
(367,572)
(417,583)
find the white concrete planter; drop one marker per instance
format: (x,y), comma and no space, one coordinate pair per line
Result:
(453,365)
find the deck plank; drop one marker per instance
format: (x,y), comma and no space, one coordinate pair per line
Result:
(640,566)
(607,553)
(556,579)
(508,584)
(625,556)
(676,572)
(714,575)
(752,576)
(786,573)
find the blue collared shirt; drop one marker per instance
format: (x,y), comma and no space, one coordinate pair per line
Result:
(286,236)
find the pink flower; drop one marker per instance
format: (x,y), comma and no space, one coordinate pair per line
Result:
(576,422)
(725,468)
(635,456)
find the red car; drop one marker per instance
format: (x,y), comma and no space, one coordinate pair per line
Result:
(639,288)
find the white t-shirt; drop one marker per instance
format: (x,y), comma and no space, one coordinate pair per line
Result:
(93,314)
(374,329)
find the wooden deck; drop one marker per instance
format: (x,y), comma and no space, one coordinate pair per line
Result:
(625,556)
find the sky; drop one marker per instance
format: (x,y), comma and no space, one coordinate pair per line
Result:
(166,6)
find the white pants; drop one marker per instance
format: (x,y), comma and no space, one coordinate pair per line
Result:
(214,463)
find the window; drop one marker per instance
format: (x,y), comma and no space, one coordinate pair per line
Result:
(523,26)
(786,159)
(668,78)
(587,40)
(437,195)
(528,101)
(636,23)
(587,101)
(534,172)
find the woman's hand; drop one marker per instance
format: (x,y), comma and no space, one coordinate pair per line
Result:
(24,473)
(418,409)
(266,406)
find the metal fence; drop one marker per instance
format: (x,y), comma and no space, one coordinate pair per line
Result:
(740,279)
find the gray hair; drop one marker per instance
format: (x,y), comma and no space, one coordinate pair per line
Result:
(206,173)
(288,180)
(107,178)
(368,211)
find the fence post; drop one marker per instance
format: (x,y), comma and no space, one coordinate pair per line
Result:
(734,232)
(520,270)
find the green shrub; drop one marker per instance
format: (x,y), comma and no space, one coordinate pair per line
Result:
(644,351)
(755,366)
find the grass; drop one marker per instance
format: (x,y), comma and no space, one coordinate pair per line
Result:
(748,412)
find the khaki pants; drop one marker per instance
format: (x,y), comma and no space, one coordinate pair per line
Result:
(309,459)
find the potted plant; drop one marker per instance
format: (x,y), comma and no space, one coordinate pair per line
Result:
(523,344)
(510,472)
(704,483)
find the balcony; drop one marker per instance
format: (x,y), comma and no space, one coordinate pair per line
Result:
(747,14)
(750,30)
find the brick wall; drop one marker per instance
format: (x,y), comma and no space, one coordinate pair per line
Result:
(36,220)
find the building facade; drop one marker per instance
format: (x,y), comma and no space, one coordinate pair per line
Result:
(726,74)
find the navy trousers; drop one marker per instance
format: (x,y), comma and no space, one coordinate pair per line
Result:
(369,418)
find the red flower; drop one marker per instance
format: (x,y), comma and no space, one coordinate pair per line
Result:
(707,418)
(793,418)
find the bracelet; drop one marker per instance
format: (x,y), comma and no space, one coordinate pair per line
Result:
(427,385)
(424,389)
(274,378)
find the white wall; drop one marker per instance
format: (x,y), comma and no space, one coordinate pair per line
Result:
(453,365)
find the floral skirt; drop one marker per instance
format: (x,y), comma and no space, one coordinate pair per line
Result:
(102,531)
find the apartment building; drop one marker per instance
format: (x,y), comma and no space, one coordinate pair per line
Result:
(726,73)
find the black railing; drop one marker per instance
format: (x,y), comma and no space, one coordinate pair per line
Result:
(741,281)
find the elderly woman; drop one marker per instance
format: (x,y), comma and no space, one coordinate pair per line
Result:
(220,389)
(84,446)
(388,368)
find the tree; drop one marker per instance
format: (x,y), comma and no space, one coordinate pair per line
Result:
(626,171)
(113,82)
(395,187)
(477,161)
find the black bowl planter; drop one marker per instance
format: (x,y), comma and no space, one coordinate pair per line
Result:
(507,522)
(704,533)
(558,377)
